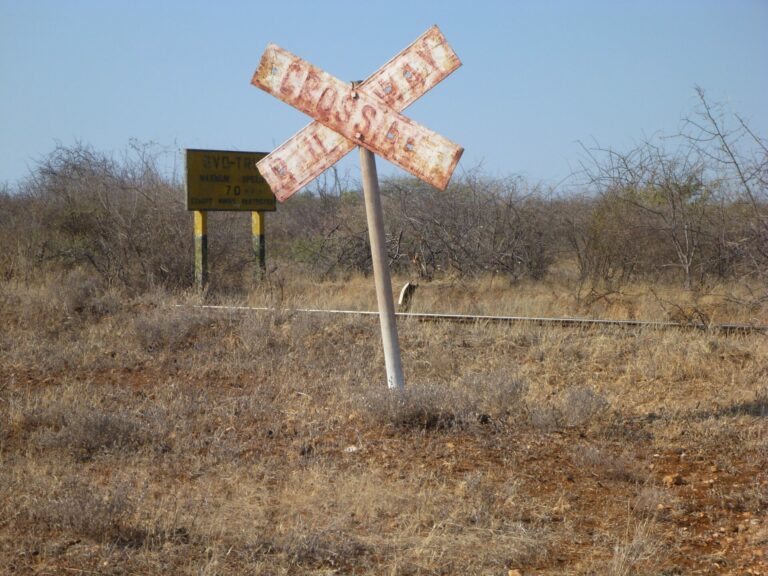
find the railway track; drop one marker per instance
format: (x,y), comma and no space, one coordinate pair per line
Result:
(489,319)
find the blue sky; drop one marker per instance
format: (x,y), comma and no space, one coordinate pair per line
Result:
(537,76)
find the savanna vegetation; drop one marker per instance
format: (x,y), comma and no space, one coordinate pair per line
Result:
(140,434)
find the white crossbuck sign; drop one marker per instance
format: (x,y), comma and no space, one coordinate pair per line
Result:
(366,114)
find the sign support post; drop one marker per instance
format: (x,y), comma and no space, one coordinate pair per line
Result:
(381,278)
(259,243)
(201,249)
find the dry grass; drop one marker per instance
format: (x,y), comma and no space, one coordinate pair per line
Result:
(139,437)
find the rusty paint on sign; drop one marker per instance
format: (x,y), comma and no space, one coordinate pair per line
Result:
(361,115)
(397,84)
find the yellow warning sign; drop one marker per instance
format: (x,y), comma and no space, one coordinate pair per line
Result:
(226,180)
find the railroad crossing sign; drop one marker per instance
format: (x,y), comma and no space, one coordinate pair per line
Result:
(367,115)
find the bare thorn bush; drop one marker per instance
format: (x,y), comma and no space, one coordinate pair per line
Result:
(580,406)
(420,407)
(608,464)
(87,511)
(87,432)
(84,295)
(167,328)
(471,402)
(638,552)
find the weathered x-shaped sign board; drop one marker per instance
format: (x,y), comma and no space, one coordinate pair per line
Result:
(367,115)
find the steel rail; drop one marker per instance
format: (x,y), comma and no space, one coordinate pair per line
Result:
(474,318)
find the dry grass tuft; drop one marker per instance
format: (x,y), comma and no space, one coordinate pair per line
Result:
(87,432)
(607,464)
(166,329)
(423,407)
(473,402)
(86,511)
(580,406)
(86,296)
(637,552)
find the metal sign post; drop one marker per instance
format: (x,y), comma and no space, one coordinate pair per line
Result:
(201,250)
(259,243)
(367,115)
(381,278)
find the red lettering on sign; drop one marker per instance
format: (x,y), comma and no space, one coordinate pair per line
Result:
(311,149)
(387,91)
(294,69)
(280,168)
(311,84)
(326,102)
(412,76)
(321,144)
(369,115)
(426,56)
(347,105)
(392,134)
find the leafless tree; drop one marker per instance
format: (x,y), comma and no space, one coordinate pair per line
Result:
(678,203)
(739,158)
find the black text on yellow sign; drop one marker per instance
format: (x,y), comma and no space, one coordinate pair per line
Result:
(226,180)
